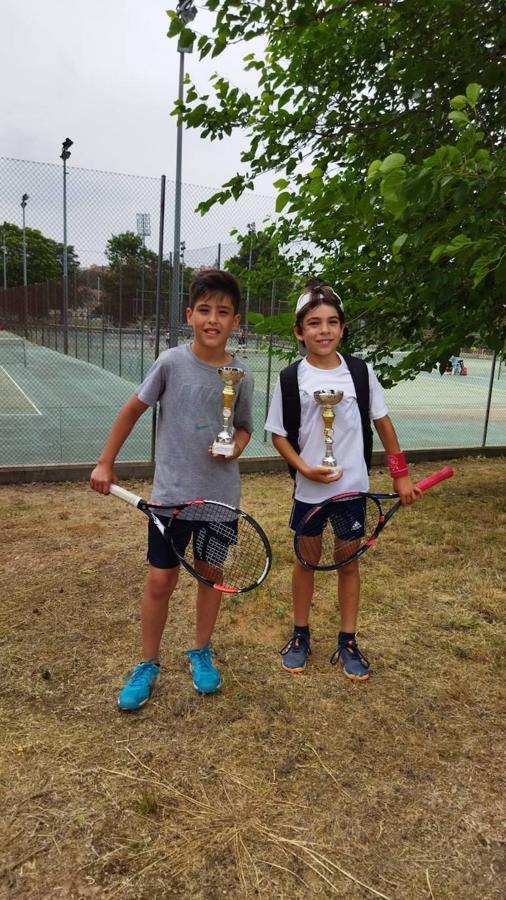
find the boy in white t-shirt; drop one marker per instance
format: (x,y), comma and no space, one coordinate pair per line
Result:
(319,325)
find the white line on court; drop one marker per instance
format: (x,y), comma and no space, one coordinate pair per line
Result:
(21,391)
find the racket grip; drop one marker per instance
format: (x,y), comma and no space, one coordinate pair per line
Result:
(125,495)
(435,478)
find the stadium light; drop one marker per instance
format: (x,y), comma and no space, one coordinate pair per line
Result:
(64,155)
(4,252)
(186,11)
(251,231)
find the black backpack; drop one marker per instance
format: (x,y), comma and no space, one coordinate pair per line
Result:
(291,403)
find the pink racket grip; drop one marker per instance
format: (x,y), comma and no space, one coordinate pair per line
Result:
(435,478)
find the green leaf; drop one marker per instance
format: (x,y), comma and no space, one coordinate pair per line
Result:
(472,93)
(393,161)
(281,183)
(459,102)
(398,244)
(458,118)
(282,200)
(374,167)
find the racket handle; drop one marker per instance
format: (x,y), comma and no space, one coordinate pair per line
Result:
(125,495)
(435,478)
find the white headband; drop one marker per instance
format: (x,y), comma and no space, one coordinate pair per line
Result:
(306,298)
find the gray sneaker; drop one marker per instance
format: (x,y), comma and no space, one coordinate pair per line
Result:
(355,665)
(295,654)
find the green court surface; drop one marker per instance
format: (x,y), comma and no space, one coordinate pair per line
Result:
(59,409)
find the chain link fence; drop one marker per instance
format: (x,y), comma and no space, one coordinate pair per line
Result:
(71,351)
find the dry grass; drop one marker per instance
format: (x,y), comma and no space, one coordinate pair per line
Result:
(279,787)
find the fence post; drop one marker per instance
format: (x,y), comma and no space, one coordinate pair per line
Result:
(268,390)
(120,313)
(489,398)
(159,273)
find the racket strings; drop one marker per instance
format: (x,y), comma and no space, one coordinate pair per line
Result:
(336,533)
(226,548)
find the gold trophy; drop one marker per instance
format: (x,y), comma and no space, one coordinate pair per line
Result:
(224,443)
(327,399)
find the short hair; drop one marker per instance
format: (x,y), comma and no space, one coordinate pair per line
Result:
(318,292)
(215,281)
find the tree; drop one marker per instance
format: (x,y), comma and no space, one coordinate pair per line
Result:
(271,275)
(341,84)
(131,277)
(43,256)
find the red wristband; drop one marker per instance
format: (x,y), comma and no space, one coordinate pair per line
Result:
(397,464)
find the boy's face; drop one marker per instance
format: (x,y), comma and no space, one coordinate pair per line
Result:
(321,330)
(212,319)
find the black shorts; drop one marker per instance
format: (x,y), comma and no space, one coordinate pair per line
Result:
(211,542)
(348,526)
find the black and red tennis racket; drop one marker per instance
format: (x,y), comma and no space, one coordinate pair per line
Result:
(343,527)
(221,546)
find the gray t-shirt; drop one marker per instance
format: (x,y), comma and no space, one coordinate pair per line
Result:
(189,393)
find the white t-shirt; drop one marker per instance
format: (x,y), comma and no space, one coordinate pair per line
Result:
(348,443)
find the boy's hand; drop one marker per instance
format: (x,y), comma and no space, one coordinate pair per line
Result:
(102,477)
(320,473)
(408,492)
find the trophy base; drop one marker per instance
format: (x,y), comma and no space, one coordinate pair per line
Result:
(223,449)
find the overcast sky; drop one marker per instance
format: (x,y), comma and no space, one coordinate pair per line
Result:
(104,73)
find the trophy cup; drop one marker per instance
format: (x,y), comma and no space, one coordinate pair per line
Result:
(224,443)
(327,399)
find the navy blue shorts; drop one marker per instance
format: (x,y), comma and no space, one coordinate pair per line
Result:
(210,543)
(348,525)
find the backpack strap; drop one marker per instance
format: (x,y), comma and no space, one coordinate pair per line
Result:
(360,377)
(291,406)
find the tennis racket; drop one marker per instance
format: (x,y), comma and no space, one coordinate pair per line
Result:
(343,527)
(221,546)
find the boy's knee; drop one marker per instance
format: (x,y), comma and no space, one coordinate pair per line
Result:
(350,568)
(162,580)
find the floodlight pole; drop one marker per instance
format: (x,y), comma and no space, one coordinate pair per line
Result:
(24,200)
(186,11)
(65,154)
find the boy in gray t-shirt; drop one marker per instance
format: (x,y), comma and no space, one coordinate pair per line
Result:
(185,384)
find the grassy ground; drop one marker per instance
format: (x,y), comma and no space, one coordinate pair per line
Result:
(280,786)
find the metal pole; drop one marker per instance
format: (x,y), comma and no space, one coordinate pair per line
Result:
(218,258)
(273,294)
(177,214)
(25,274)
(65,262)
(489,399)
(103,322)
(65,153)
(251,232)
(268,391)
(159,274)
(4,250)
(120,313)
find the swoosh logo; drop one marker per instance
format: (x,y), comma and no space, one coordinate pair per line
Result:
(200,427)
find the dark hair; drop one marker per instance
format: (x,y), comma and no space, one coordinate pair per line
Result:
(319,292)
(215,281)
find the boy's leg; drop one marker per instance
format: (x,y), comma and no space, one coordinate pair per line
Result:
(302,593)
(205,675)
(208,607)
(158,588)
(139,683)
(295,653)
(355,666)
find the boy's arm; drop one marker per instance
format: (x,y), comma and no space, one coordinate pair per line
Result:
(314,473)
(103,474)
(408,492)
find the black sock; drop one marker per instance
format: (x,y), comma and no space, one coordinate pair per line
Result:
(345,636)
(303,630)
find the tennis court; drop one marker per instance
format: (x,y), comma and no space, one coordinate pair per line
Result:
(57,408)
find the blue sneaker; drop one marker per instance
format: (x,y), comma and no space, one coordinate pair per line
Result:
(295,654)
(206,677)
(139,685)
(355,665)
